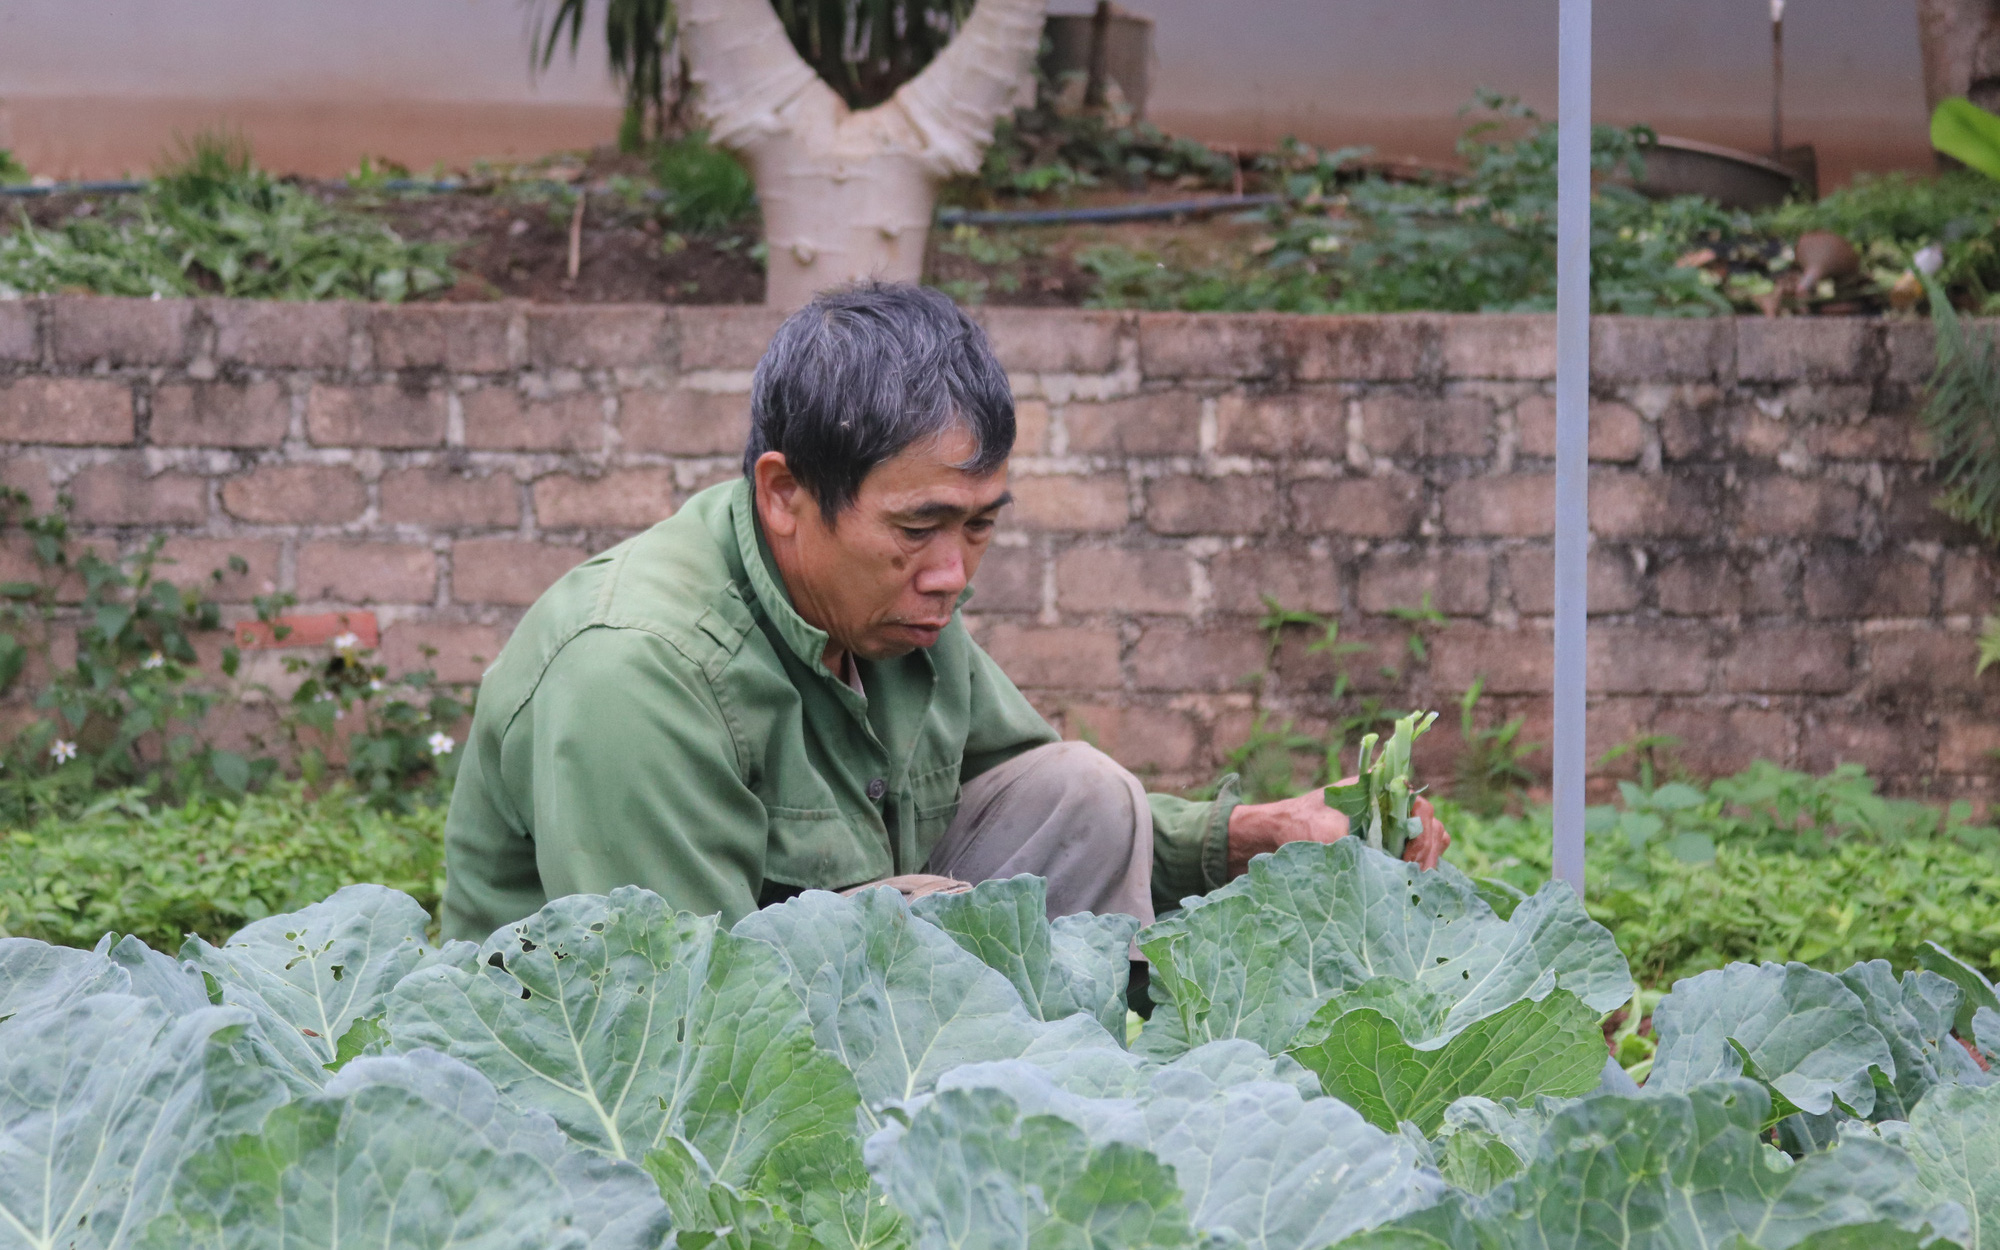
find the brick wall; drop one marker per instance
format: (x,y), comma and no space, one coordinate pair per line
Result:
(1768,579)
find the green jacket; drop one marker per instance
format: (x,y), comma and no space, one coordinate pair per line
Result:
(661,718)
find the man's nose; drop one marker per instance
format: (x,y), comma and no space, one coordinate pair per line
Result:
(944,575)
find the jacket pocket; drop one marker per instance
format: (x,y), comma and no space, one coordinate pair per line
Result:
(933,802)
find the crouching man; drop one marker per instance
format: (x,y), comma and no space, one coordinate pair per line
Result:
(772,691)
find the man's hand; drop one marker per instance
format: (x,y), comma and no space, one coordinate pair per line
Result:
(1255,828)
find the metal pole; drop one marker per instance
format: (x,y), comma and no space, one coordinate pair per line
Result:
(1778,80)
(1572,433)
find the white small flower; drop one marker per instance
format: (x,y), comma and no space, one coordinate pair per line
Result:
(62,752)
(346,642)
(1929,260)
(324,696)
(442,743)
(155,660)
(375,685)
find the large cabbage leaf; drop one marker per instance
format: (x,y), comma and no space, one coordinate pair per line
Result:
(1914,1015)
(1679,1171)
(310,975)
(629,1024)
(1975,991)
(1258,957)
(100,1098)
(897,999)
(1801,1031)
(1954,1136)
(1255,1157)
(973,1173)
(1376,1048)
(414,1152)
(1076,963)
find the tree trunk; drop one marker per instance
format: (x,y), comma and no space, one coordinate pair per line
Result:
(848,195)
(1961,47)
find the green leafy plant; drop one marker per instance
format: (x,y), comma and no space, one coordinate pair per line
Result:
(12,171)
(707,189)
(1377,802)
(1962,417)
(1491,769)
(1967,133)
(212,223)
(1892,219)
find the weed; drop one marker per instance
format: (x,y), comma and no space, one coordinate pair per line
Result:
(12,171)
(707,189)
(1490,772)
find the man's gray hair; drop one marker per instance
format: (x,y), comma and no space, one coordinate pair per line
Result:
(862,373)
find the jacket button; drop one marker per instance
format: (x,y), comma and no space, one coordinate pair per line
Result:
(876,789)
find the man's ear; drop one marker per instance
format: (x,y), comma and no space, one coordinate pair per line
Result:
(779,495)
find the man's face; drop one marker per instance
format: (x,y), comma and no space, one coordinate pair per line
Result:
(884,578)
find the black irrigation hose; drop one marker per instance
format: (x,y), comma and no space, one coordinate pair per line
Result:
(946,217)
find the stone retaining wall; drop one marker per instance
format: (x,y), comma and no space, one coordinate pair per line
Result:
(1769,578)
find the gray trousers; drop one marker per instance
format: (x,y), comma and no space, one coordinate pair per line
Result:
(1065,811)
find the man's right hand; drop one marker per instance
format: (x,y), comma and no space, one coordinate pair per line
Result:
(1256,828)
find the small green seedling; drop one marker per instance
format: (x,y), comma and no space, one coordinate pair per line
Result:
(1378,801)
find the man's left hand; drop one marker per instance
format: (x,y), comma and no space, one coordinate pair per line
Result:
(1255,828)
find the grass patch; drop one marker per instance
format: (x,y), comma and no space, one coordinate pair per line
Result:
(209,866)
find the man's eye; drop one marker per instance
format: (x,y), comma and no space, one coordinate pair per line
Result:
(979,526)
(914,533)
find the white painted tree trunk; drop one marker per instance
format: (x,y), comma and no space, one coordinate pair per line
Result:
(849,195)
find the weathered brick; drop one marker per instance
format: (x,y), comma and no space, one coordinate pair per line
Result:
(1919,663)
(390,416)
(72,411)
(1877,438)
(620,499)
(583,336)
(20,341)
(1389,348)
(1371,658)
(1617,434)
(1239,504)
(1648,659)
(1154,742)
(1423,426)
(1058,658)
(456,653)
(1113,579)
(1613,584)
(500,570)
(220,414)
(29,475)
(1791,660)
(1295,423)
(1911,347)
(363,572)
(1704,425)
(1093,503)
(1455,582)
(463,338)
(1519,345)
(1661,349)
(724,336)
(87,329)
(684,422)
(1511,661)
(1713,742)
(1646,508)
(195,560)
(1845,582)
(447,499)
(1806,349)
(1969,581)
(295,494)
(269,335)
(1184,345)
(1169,657)
(124,494)
(1910,514)
(1163,423)
(1967,746)
(1009,579)
(1516,506)
(1895,747)
(1295,578)
(1031,427)
(1789,507)
(1360,507)
(501,418)
(1046,340)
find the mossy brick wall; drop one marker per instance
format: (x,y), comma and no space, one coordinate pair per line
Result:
(1769,578)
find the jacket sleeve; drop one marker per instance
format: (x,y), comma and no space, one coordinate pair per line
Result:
(1191,844)
(625,763)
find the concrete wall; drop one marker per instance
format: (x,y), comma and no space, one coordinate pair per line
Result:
(99,86)
(1769,578)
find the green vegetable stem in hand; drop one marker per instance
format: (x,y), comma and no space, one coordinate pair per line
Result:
(1377,800)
